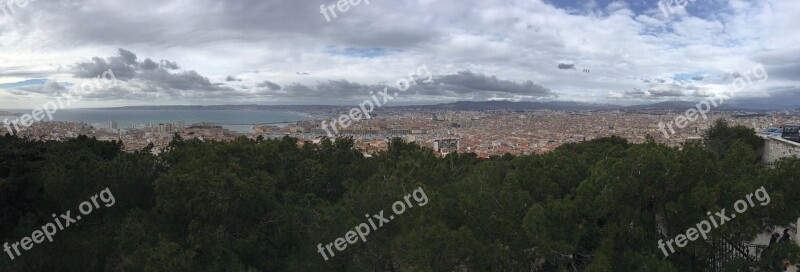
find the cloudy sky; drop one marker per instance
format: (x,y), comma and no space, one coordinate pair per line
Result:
(202,52)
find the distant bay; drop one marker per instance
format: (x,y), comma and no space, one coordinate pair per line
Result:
(236,120)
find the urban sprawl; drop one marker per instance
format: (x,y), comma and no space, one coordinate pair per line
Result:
(485,133)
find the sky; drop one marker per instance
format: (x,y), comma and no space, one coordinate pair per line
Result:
(270,52)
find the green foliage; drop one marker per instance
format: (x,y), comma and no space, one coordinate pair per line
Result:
(265,205)
(721,136)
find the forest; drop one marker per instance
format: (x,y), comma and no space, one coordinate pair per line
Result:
(266,204)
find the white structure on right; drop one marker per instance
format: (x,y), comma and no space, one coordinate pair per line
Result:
(777,148)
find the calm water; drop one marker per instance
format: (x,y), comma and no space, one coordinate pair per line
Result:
(237,120)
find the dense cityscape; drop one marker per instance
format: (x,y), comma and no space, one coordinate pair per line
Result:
(485,133)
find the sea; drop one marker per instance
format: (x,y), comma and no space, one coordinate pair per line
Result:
(235,120)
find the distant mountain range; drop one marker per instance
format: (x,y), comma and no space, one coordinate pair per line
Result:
(472,106)
(679,105)
(507,105)
(228,107)
(5,113)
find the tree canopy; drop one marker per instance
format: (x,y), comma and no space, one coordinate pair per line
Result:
(265,205)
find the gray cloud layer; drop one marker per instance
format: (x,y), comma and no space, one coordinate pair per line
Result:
(565,66)
(463,84)
(484,49)
(148,79)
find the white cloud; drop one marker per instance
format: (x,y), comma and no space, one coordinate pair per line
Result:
(621,43)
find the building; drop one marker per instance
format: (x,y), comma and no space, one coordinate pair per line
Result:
(439,145)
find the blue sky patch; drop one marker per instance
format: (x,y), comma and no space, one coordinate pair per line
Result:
(28,82)
(687,76)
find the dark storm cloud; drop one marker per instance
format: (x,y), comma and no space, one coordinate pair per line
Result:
(184,80)
(147,79)
(97,66)
(124,66)
(269,85)
(564,66)
(654,80)
(469,82)
(169,65)
(128,57)
(462,84)
(148,64)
